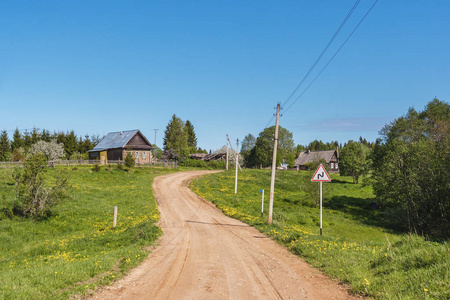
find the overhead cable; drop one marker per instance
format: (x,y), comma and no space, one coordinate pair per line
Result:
(323,51)
(334,55)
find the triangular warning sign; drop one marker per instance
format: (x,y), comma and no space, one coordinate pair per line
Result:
(321,175)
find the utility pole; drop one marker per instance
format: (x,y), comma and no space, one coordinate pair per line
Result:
(237,164)
(156,130)
(228,140)
(154,151)
(274,162)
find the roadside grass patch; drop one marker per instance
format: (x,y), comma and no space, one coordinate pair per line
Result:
(76,249)
(356,247)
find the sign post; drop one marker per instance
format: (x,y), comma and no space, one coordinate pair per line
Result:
(262,205)
(320,176)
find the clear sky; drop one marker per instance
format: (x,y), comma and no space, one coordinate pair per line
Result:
(101,66)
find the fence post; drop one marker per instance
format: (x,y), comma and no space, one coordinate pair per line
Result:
(115,217)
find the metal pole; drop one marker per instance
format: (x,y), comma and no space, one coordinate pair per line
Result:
(274,162)
(156,130)
(321,208)
(154,151)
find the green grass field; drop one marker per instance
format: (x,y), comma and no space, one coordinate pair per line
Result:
(77,249)
(355,247)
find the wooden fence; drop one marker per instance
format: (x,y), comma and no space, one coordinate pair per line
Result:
(68,163)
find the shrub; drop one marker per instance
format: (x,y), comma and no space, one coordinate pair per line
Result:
(33,198)
(96,168)
(129,160)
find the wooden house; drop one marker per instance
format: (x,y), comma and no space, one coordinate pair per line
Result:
(115,146)
(330,157)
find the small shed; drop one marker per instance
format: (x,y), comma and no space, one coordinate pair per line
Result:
(115,146)
(330,156)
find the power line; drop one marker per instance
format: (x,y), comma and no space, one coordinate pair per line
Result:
(334,55)
(317,59)
(323,51)
(270,121)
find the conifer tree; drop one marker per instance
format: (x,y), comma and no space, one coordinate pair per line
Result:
(175,138)
(17,141)
(4,146)
(191,138)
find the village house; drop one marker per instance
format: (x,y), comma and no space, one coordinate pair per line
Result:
(329,156)
(115,146)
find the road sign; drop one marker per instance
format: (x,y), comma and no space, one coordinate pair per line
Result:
(321,175)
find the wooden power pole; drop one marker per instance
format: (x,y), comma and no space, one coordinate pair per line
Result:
(228,140)
(237,164)
(274,165)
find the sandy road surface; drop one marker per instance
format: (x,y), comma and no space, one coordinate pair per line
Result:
(206,255)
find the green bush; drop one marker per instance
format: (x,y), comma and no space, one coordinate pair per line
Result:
(96,168)
(34,197)
(129,160)
(194,163)
(217,164)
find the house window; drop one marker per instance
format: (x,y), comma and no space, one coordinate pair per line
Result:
(137,154)
(336,166)
(144,155)
(332,165)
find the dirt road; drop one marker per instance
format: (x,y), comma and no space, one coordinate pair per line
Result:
(206,255)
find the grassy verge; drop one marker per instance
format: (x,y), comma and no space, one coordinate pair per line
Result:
(76,250)
(355,246)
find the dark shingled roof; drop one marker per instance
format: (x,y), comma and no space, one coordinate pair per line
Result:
(311,156)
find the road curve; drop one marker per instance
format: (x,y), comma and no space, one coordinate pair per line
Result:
(204,254)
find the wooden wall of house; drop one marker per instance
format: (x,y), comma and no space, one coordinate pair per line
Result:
(115,154)
(138,142)
(143,156)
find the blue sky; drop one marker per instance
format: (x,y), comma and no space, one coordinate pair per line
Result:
(101,66)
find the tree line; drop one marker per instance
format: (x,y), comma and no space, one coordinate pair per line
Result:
(16,148)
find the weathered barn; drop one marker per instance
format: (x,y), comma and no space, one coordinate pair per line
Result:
(208,157)
(115,146)
(330,156)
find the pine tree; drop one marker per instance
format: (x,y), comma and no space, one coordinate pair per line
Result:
(175,138)
(45,136)
(4,146)
(35,136)
(27,140)
(70,144)
(192,139)
(17,141)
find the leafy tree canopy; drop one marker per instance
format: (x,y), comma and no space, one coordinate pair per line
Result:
(262,153)
(411,170)
(354,160)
